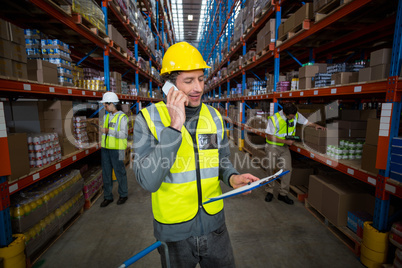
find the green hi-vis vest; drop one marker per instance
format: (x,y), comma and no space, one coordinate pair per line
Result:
(194,176)
(110,142)
(280,127)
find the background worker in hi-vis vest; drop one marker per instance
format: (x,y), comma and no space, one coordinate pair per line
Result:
(181,153)
(114,144)
(281,125)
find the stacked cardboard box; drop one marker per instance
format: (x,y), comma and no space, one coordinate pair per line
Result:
(333,198)
(13,57)
(117,38)
(370,147)
(42,71)
(266,35)
(18,155)
(343,78)
(307,72)
(380,61)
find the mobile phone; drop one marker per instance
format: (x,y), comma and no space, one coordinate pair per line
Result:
(167,86)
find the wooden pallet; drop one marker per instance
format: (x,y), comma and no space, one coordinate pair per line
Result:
(118,48)
(305,25)
(263,11)
(261,53)
(299,191)
(350,239)
(31,260)
(79,19)
(90,202)
(329,8)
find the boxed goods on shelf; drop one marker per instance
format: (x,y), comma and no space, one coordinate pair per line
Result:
(18,155)
(42,71)
(396,159)
(31,205)
(117,38)
(343,78)
(92,182)
(43,148)
(37,236)
(335,197)
(91,12)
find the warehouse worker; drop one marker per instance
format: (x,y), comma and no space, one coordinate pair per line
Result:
(114,144)
(181,155)
(280,125)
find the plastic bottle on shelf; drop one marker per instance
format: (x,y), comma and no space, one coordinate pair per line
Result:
(33,205)
(39,201)
(42,224)
(32,233)
(17,212)
(58,212)
(27,208)
(27,237)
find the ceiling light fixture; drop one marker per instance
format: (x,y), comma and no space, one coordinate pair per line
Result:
(190,17)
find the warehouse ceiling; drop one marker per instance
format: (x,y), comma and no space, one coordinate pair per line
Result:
(188,16)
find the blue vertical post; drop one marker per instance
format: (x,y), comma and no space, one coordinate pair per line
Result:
(106,69)
(150,89)
(380,219)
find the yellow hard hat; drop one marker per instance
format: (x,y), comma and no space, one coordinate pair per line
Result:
(182,57)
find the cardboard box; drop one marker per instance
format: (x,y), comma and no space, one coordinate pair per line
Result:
(18,53)
(303,13)
(42,71)
(19,70)
(289,24)
(315,189)
(4,32)
(6,67)
(322,149)
(67,147)
(305,83)
(373,129)
(57,110)
(369,158)
(366,114)
(311,70)
(379,72)
(343,78)
(357,124)
(365,74)
(381,56)
(5,49)
(18,152)
(350,115)
(339,199)
(301,176)
(16,34)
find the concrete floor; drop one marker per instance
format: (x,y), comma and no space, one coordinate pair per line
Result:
(263,234)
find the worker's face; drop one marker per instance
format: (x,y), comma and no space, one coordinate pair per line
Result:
(192,84)
(290,116)
(108,106)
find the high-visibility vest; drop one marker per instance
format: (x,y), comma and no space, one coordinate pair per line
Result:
(280,126)
(110,142)
(194,176)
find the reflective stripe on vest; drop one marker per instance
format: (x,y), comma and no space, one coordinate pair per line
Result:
(280,128)
(110,142)
(177,200)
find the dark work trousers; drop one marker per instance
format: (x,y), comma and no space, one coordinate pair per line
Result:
(212,250)
(113,160)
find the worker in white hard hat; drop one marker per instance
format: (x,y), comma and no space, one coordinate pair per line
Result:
(182,156)
(114,144)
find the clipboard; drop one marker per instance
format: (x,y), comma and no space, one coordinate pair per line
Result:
(249,187)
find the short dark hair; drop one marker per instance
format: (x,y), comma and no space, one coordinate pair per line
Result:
(170,77)
(289,108)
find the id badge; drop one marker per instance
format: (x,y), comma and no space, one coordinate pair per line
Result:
(208,141)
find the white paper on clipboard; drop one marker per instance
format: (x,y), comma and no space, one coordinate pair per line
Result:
(249,187)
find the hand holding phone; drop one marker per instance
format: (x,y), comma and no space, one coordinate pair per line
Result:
(167,86)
